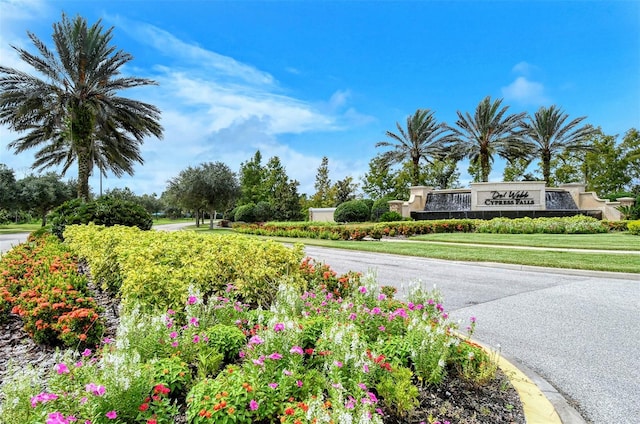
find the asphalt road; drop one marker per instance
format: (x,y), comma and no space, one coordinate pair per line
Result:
(578,332)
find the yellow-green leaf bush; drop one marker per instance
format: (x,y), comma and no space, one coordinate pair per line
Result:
(634,227)
(157,269)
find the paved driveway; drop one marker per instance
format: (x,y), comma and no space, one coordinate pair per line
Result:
(579,332)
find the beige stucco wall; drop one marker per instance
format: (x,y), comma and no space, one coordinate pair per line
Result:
(321,214)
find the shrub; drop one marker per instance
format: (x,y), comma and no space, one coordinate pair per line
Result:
(379,207)
(634,227)
(390,217)
(351,211)
(105,211)
(263,212)
(245,213)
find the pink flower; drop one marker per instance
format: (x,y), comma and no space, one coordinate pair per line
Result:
(42,398)
(171,312)
(278,327)
(194,321)
(259,361)
(287,372)
(95,389)
(297,349)
(196,338)
(365,368)
(253,405)
(106,340)
(376,311)
(362,386)
(352,316)
(174,344)
(299,383)
(62,369)
(56,418)
(275,356)
(86,352)
(255,340)
(273,385)
(337,364)
(382,296)
(112,415)
(78,364)
(192,300)
(472,319)
(173,335)
(382,328)
(362,289)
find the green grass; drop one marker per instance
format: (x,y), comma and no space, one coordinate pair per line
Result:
(613,262)
(609,241)
(19,228)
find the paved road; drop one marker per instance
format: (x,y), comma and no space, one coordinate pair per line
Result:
(579,332)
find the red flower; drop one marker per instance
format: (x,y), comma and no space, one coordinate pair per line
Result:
(143,407)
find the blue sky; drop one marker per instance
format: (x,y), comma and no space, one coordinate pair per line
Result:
(305,79)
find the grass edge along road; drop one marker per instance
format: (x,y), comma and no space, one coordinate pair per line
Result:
(592,261)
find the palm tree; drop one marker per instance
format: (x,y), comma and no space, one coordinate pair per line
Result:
(490,131)
(74,113)
(549,134)
(423,139)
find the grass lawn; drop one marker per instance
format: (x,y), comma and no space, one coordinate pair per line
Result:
(19,228)
(614,262)
(610,241)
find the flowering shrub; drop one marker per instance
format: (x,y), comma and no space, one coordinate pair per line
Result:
(39,280)
(634,227)
(324,350)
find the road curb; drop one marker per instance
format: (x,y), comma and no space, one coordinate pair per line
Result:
(541,402)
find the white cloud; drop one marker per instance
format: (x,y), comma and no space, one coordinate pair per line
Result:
(524,68)
(339,99)
(189,55)
(526,92)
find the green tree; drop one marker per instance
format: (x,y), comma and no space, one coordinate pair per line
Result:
(219,188)
(323,197)
(424,138)
(8,187)
(489,132)
(379,180)
(186,190)
(42,193)
(152,203)
(252,180)
(122,194)
(631,149)
(75,113)
(605,167)
(344,190)
(442,174)
(516,170)
(548,132)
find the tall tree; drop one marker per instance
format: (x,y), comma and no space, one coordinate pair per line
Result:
(220,188)
(42,193)
(323,197)
(378,181)
(423,138)
(490,131)
(75,113)
(8,187)
(252,180)
(549,133)
(345,190)
(186,191)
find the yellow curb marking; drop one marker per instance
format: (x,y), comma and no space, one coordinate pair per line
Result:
(536,407)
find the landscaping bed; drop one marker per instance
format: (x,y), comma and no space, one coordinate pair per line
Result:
(318,347)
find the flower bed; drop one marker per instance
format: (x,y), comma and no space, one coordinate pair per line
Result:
(327,348)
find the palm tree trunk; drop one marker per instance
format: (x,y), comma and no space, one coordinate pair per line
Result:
(546,166)
(416,172)
(84,169)
(485,168)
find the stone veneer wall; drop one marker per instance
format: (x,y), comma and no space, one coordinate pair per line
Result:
(584,200)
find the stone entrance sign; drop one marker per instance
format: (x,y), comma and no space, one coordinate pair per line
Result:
(526,195)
